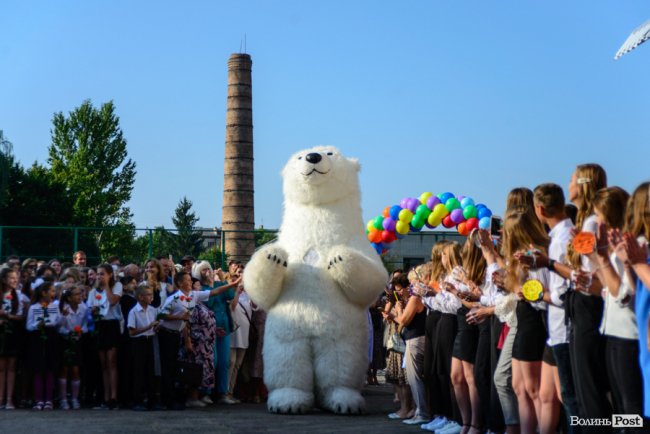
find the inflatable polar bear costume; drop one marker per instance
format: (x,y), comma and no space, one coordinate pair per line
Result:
(316,283)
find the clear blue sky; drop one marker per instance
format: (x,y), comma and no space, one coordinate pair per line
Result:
(471,97)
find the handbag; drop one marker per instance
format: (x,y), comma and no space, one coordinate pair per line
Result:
(396,343)
(189,373)
(232,324)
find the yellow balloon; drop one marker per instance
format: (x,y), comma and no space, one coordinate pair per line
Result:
(405,216)
(433,220)
(424,196)
(402,228)
(440,211)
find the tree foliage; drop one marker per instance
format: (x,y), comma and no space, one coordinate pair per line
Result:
(187,240)
(88,155)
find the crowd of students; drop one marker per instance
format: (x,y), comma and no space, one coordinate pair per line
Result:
(109,337)
(468,352)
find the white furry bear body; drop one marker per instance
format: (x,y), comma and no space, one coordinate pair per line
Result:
(316,283)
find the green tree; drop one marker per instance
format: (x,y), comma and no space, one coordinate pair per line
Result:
(215,256)
(6,161)
(88,155)
(263,236)
(187,240)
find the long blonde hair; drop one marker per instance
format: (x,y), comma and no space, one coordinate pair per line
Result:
(637,212)
(473,261)
(590,178)
(437,270)
(611,202)
(454,256)
(520,230)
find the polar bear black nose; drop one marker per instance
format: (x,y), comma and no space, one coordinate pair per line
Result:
(313,158)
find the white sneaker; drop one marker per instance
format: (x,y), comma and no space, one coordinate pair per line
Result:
(450,428)
(194,403)
(207,400)
(435,424)
(228,400)
(75,404)
(64,404)
(415,420)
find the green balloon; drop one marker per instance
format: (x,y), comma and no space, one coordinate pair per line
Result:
(417,222)
(378,223)
(423,211)
(452,204)
(469,212)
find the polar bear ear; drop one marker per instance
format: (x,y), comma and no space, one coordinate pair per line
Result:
(355,163)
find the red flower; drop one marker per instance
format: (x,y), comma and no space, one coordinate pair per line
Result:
(189,299)
(182,298)
(77,329)
(8,296)
(98,297)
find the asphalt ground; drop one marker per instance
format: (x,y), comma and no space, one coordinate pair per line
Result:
(240,419)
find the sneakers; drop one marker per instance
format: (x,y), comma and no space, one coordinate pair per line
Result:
(435,424)
(207,400)
(195,403)
(395,416)
(450,428)
(415,420)
(228,400)
(64,404)
(75,404)
(9,406)
(48,406)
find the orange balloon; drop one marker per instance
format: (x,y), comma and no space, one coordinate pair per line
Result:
(374,236)
(386,212)
(463,229)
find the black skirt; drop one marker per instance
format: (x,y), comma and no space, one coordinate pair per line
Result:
(11,336)
(531,336)
(445,334)
(108,334)
(466,340)
(45,349)
(548,356)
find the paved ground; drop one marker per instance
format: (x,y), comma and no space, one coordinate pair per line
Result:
(240,419)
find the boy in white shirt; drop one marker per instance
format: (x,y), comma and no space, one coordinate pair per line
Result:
(142,325)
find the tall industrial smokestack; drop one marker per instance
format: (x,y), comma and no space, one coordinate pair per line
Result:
(238,205)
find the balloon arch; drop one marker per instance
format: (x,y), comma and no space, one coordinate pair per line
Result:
(412,214)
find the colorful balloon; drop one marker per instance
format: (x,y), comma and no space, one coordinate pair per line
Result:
(389,224)
(466,201)
(470,211)
(452,204)
(471,224)
(405,216)
(379,248)
(432,202)
(462,229)
(444,197)
(412,204)
(401,227)
(370,225)
(425,196)
(375,236)
(484,212)
(440,211)
(387,237)
(457,216)
(394,212)
(448,222)
(386,212)
(423,211)
(378,223)
(418,221)
(434,220)
(484,223)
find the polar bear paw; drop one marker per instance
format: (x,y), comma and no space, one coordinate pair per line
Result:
(343,400)
(277,256)
(289,400)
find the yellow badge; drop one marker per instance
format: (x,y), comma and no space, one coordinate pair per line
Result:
(532,290)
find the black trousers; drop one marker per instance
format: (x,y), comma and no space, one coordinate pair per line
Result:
(445,336)
(143,369)
(430,377)
(624,373)
(170,343)
(587,349)
(482,369)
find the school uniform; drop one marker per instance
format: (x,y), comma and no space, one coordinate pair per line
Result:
(42,324)
(72,352)
(10,342)
(109,317)
(142,352)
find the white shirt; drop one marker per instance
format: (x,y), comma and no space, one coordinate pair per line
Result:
(619,317)
(78,318)
(139,318)
(490,290)
(106,310)
(589,225)
(178,303)
(50,315)
(558,332)
(6,303)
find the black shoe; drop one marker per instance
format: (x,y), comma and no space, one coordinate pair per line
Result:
(112,404)
(139,407)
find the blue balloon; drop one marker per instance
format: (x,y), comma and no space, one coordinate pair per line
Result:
(480,205)
(394,212)
(484,212)
(414,229)
(484,223)
(379,247)
(444,197)
(466,202)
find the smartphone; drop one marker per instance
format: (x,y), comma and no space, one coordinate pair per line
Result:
(496,223)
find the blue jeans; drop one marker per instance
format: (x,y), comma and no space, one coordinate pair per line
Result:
(221,361)
(567,389)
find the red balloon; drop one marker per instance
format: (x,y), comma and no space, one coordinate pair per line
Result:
(462,228)
(386,212)
(388,236)
(471,224)
(448,222)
